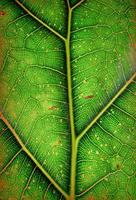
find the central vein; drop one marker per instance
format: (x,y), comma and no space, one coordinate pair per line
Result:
(73,135)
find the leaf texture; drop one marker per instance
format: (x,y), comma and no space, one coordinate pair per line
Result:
(67,99)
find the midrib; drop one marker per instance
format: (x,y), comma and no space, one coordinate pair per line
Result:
(71,110)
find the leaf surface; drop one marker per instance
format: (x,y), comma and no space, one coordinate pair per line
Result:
(67,99)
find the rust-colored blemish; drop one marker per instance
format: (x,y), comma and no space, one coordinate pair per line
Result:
(133,20)
(89,97)
(56,143)
(2,184)
(134,45)
(2,13)
(52,108)
(1,115)
(91,198)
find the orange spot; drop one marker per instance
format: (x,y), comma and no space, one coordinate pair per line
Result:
(134,45)
(57,143)
(2,185)
(2,13)
(52,108)
(89,97)
(91,198)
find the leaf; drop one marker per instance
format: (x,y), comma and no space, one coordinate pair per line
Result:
(67,100)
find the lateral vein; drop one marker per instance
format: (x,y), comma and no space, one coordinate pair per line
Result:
(32,157)
(9,163)
(96,183)
(77,4)
(106,107)
(40,21)
(28,183)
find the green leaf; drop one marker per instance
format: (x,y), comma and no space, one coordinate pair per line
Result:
(67,100)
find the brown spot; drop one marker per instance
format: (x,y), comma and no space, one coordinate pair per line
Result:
(89,97)
(58,142)
(2,13)
(118,166)
(134,45)
(52,108)
(91,198)
(133,20)
(2,185)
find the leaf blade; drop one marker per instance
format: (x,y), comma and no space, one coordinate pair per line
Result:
(59,100)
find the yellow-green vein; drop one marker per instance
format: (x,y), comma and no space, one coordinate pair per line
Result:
(32,157)
(40,21)
(77,4)
(106,107)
